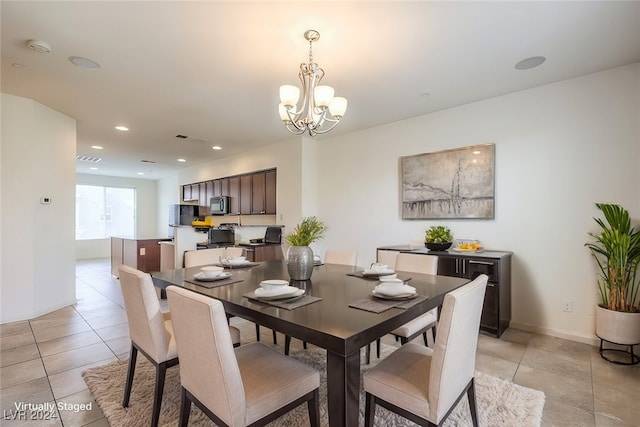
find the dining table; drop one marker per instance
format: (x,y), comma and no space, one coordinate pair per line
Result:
(336,312)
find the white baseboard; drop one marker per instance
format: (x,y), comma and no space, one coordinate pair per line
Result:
(585,339)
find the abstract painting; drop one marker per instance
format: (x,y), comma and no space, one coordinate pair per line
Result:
(456,183)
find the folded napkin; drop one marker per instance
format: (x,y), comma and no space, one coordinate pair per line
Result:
(392,290)
(378,272)
(284,290)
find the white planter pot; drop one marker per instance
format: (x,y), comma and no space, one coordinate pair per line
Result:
(618,327)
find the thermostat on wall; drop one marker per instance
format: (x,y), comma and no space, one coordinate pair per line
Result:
(45,200)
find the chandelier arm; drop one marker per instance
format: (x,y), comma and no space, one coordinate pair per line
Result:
(335,122)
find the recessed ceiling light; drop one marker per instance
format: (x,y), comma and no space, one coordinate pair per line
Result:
(529,63)
(122,128)
(93,168)
(18,65)
(140,173)
(97,147)
(217,147)
(425,94)
(84,63)
(181,160)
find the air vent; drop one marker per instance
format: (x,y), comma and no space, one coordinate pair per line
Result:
(147,161)
(190,138)
(89,159)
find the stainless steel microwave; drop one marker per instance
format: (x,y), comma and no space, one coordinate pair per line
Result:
(219,205)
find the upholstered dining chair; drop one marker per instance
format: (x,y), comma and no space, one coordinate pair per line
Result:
(212,256)
(150,331)
(422,384)
(203,257)
(250,385)
(414,263)
(331,256)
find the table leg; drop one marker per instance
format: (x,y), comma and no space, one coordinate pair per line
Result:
(343,389)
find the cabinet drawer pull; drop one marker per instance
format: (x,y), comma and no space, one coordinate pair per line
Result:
(480,262)
(491,285)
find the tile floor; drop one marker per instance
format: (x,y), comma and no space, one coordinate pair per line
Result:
(42,359)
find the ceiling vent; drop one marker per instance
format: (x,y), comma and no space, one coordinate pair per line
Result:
(190,138)
(89,159)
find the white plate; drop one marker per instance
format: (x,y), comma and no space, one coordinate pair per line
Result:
(283,291)
(268,297)
(270,285)
(236,262)
(393,290)
(200,276)
(394,298)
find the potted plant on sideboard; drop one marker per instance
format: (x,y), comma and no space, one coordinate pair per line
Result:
(299,254)
(616,249)
(438,238)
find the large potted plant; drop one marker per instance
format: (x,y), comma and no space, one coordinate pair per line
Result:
(616,249)
(299,254)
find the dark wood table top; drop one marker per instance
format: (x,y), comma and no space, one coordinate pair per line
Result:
(329,323)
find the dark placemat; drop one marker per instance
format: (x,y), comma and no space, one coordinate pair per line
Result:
(213,284)
(376,277)
(377,305)
(286,304)
(235,267)
(373,305)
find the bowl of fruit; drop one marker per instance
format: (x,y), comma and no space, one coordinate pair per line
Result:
(467,246)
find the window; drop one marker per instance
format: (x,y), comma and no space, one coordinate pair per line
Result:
(103,212)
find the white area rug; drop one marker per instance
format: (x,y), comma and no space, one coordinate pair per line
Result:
(500,402)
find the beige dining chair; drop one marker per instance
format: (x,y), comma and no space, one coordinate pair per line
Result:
(413,263)
(424,384)
(231,252)
(150,331)
(203,257)
(250,385)
(212,256)
(331,256)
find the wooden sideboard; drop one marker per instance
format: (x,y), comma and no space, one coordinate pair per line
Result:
(496,311)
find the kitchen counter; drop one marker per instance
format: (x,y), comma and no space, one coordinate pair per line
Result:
(140,253)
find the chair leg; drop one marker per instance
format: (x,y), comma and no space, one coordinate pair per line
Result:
(378,347)
(368,353)
(313,406)
(471,395)
(369,410)
(287,344)
(424,337)
(304,345)
(275,339)
(185,408)
(433,333)
(161,372)
(257,332)
(132,367)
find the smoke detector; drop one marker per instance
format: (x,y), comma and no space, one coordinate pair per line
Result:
(39,46)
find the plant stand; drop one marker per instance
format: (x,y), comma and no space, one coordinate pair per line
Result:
(634,359)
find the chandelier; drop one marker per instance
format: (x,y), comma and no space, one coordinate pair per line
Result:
(319,111)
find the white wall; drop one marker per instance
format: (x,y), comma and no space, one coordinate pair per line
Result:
(146,213)
(37,263)
(559,149)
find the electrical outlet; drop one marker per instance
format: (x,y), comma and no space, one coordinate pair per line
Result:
(567,306)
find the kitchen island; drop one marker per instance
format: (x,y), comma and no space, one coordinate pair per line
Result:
(140,253)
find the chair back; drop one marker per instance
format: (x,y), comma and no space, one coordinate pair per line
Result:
(146,322)
(233,252)
(203,257)
(208,365)
(332,256)
(417,263)
(454,353)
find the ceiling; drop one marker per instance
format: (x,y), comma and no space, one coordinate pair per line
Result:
(211,70)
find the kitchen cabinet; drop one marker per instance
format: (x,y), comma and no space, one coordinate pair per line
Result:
(263,253)
(234,195)
(270,192)
(496,311)
(245,195)
(250,194)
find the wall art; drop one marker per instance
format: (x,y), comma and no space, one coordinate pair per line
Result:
(456,183)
